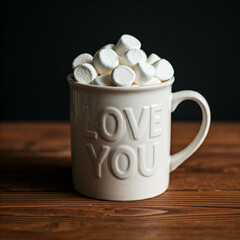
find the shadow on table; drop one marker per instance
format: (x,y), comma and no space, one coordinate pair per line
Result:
(21,171)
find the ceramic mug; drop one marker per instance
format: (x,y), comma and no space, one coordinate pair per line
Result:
(120,139)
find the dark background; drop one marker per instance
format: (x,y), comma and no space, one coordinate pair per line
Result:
(41,38)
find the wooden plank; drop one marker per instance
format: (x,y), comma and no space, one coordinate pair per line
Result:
(24,136)
(220,133)
(56,136)
(194,215)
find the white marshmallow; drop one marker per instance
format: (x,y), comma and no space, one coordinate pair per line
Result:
(144,73)
(125,43)
(132,57)
(105,61)
(153,58)
(154,81)
(123,76)
(82,58)
(164,70)
(85,73)
(108,46)
(103,80)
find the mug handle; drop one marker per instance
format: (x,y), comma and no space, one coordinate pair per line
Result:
(178,97)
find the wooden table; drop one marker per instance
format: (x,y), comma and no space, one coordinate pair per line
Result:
(37,200)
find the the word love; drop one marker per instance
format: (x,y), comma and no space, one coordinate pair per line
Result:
(150,116)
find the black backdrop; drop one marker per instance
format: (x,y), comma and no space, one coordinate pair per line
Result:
(41,38)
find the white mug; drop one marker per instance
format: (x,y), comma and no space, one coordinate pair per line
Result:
(120,139)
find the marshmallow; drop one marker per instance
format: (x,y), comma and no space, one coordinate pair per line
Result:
(103,80)
(123,76)
(164,70)
(82,58)
(125,43)
(85,73)
(132,57)
(154,81)
(108,46)
(144,73)
(105,61)
(153,58)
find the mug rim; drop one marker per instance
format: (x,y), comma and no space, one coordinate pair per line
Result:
(78,85)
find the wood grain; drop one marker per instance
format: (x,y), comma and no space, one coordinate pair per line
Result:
(175,212)
(37,200)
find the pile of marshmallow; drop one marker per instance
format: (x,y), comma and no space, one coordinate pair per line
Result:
(121,65)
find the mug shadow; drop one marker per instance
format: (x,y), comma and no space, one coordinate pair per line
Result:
(29,172)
